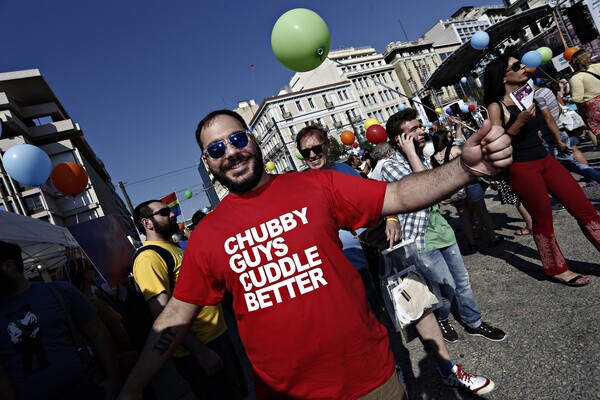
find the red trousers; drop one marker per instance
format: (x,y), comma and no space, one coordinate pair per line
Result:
(532,181)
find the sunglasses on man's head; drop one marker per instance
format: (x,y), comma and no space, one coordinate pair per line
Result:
(516,67)
(164,212)
(318,149)
(216,150)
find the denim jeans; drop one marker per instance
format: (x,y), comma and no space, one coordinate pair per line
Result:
(568,161)
(446,269)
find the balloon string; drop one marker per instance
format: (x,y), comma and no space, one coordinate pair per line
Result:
(551,78)
(399,93)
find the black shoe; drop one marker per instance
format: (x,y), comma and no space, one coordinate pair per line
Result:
(448,331)
(557,207)
(487,331)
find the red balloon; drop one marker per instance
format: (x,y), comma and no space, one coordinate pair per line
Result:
(69,178)
(355,144)
(347,137)
(471,107)
(376,134)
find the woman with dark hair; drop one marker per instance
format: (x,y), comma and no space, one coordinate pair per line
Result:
(534,174)
(585,91)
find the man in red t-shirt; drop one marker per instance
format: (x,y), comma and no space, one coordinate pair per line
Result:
(273,243)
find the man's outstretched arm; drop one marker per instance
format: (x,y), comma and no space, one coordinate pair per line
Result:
(485,153)
(168,331)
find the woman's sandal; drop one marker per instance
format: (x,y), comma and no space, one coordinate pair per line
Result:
(523,231)
(573,281)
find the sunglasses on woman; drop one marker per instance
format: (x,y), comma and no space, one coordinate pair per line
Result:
(516,67)
(318,149)
(216,150)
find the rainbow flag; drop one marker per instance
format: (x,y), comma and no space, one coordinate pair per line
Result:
(173,203)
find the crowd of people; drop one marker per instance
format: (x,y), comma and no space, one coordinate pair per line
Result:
(298,274)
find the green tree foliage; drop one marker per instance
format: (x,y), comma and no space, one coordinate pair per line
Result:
(335,149)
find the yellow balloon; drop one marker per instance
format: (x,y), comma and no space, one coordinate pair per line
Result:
(369,122)
(270,166)
(438,110)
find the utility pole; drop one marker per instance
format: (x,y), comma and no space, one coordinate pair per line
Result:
(127,199)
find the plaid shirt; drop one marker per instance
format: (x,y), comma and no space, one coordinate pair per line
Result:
(414,225)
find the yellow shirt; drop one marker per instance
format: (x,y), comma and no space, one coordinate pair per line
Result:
(585,87)
(150,273)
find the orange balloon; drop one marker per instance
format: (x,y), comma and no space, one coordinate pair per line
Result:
(347,137)
(181,226)
(530,70)
(568,54)
(70,178)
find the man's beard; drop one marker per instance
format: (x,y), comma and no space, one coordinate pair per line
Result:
(241,185)
(165,230)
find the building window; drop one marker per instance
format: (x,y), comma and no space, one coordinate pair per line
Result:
(311,103)
(292,131)
(2,208)
(299,105)
(34,204)
(282,108)
(345,94)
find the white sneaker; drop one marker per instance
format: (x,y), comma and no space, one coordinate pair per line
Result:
(460,379)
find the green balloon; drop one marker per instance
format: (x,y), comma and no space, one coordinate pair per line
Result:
(300,40)
(546,53)
(188,194)
(298,155)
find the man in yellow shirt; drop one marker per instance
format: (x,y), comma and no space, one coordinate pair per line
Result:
(207,359)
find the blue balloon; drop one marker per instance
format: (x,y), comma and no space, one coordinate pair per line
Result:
(480,40)
(27,164)
(538,81)
(463,80)
(449,111)
(401,107)
(429,125)
(532,59)
(205,210)
(464,108)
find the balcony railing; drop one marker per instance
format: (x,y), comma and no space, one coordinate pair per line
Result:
(269,125)
(338,124)
(356,119)
(287,115)
(329,104)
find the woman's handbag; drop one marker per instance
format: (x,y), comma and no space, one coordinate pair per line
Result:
(405,293)
(570,119)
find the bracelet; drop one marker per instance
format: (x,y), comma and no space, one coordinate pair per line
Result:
(391,219)
(475,169)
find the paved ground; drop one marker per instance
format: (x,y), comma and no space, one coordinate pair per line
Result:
(553,347)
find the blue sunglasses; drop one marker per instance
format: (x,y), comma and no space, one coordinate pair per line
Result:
(216,150)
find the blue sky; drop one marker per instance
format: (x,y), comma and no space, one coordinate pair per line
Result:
(139,75)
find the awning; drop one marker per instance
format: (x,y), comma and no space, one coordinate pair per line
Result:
(462,61)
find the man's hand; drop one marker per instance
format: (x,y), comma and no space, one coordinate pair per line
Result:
(487,151)
(406,144)
(393,231)
(210,361)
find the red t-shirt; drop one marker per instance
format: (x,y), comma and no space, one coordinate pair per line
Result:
(300,305)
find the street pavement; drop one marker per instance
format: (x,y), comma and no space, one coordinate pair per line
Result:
(552,348)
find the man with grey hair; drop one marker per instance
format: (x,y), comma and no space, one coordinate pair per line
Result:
(381,152)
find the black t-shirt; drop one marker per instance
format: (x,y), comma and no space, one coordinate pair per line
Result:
(527,144)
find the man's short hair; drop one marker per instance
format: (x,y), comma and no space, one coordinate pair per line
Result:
(394,123)
(381,149)
(310,130)
(142,211)
(178,237)
(197,217)
(210,117)
(11,252)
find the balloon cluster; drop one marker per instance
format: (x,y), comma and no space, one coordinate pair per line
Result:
(300,40)
(375,132)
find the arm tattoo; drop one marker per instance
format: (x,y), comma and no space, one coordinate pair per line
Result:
(164,340)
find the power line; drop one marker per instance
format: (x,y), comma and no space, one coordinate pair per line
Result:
(161,175)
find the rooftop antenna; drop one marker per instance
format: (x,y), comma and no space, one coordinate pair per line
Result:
(401,26)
